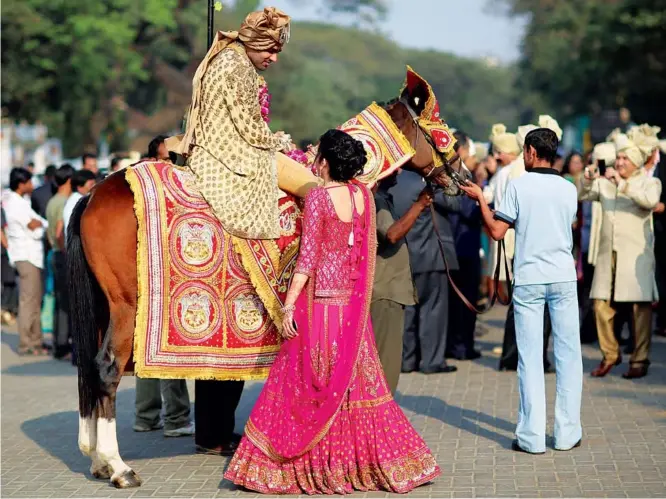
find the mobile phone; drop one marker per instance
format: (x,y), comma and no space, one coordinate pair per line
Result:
(293,323)
(601,165)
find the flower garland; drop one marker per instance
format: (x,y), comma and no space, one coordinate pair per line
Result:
(265,104)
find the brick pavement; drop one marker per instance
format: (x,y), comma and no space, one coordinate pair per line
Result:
(467,418)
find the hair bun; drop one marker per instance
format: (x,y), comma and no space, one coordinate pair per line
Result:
(345,155)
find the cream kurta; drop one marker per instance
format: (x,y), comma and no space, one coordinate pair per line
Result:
(626,229)
(234,152)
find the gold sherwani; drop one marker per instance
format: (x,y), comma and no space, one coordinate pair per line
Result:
(233,153)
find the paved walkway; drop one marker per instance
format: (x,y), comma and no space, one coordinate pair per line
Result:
(467,418)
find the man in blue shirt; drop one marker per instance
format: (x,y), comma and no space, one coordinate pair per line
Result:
(541,206)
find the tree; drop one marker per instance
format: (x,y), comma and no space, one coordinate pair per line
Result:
(588,55)
(63,61)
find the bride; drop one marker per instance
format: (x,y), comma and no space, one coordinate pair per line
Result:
(325,422)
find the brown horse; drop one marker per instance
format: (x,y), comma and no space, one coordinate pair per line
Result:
(102,255)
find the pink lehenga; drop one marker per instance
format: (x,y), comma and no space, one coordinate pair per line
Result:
(325,422)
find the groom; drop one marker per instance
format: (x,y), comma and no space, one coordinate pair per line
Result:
(234,156)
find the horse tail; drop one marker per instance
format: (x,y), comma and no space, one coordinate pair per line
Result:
(84,300)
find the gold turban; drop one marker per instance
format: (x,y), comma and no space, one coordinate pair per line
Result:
(645,137)
(549,122)
(625,145)
(503,141)
(263,30)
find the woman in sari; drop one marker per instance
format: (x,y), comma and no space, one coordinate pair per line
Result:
(325,422)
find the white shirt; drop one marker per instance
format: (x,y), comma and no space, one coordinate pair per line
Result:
(23,244)
(69,208)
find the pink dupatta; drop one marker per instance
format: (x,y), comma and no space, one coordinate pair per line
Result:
(295,409)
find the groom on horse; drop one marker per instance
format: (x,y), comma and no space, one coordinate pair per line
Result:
(235,158)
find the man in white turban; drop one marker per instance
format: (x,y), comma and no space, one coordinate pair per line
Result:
(625,266)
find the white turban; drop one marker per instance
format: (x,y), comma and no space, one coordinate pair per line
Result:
(625,145)
(522,133)
(645,137)
(605,151)
(549,122)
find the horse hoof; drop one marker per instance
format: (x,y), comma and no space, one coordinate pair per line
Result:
(103,473)
(126,480)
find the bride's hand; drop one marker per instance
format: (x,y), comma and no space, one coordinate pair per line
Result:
(288,326)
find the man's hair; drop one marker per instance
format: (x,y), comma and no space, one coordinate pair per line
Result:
(50,171)
(88,156)
(80,178)
(545,143)
(114,162)
(17,177)
(461,138)
(63,174)
(154,145)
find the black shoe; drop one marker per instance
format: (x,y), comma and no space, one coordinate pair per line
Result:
(441,369)
(406,370)
(575,446)
(515,446)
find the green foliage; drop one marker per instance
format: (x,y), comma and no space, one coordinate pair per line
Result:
(588,55)
(76,65)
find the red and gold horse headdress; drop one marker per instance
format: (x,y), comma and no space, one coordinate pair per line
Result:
(422,100)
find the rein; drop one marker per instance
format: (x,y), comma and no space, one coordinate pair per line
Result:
(458,181)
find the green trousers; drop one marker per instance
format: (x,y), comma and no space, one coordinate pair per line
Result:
(388,322)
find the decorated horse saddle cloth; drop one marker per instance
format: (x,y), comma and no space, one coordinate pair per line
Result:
(199,313)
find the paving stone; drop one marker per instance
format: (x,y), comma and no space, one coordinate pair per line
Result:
(468,419)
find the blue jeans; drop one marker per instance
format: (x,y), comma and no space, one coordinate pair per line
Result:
(562,300)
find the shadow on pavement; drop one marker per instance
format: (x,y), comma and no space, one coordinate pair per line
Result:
(475,422)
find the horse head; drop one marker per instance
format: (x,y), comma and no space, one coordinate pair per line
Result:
(416,113)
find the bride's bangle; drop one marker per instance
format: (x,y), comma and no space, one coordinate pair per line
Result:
(288,308)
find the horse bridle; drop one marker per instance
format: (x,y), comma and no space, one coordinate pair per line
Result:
(455,176)
(458,181)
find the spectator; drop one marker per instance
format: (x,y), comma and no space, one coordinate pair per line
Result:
(56,236)
(426,323)
(148,404)
(9,288)
(25,230)
(625,264)
(43,194)
(466,226)
(541,205)
(157,149)
(89,162)
(82,183)
(659,216)
(393,288)
(115,164)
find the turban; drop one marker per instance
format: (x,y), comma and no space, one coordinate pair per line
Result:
(265,30)
(604,151)
(481,151)
(546,121)
(645,137)
(522,133)
(625,145)
(662,146)
(503,141)
(613,134)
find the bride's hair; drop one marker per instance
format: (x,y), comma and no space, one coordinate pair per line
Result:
(346,156)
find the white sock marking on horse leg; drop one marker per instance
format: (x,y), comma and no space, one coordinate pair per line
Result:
(87,434)
(107,447)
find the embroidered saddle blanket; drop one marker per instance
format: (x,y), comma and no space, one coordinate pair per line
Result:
(199,314)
